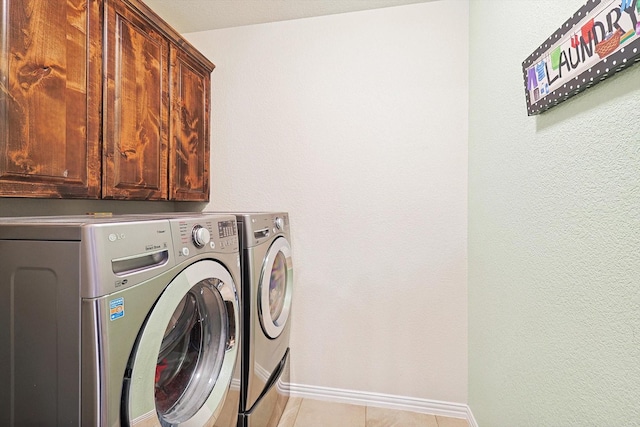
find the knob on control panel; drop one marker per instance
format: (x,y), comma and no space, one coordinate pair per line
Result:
(279,223)
(200,236)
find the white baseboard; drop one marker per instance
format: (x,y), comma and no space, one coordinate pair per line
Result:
(470,418)
(380,400)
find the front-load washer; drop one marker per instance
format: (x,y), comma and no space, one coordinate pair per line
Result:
(267,286)
(118,321)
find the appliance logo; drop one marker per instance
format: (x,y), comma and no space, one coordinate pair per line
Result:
(116,236)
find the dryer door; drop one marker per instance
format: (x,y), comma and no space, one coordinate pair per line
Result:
(276,287)
(184,358)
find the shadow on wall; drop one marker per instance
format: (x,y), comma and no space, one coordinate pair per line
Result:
(38,207)
(605,92)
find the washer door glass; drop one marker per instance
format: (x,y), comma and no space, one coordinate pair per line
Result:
(184,359)
(276,287)
(192,348)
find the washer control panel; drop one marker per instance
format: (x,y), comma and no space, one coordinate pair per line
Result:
(193,236)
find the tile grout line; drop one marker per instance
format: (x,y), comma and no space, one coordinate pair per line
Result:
(366,409)
(295,418)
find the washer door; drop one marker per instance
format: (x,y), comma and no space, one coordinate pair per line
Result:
(183,362)
(276,287)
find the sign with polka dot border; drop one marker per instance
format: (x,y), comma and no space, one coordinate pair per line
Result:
(600,39)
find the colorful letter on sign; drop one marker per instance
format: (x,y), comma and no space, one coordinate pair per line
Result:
(600,39)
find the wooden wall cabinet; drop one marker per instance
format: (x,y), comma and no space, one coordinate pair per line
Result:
(136,108)
(189,131)
(151,141)
(50,92)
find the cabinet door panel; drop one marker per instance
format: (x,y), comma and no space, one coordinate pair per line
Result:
(50,67)
(136,110)
(189,133)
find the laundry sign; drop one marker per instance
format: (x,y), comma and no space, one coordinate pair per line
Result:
(600,39)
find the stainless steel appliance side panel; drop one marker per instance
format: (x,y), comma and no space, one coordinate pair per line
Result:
(248,335)
(40,333)
(20,231)
(92,384)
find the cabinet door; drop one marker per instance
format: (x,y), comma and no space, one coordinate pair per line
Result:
(189,133)
(50,89)
(136,106)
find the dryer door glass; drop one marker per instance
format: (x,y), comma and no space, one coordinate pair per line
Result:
(276,287)
(192,348)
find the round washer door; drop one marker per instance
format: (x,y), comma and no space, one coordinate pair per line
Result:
(275,288)
(183,362)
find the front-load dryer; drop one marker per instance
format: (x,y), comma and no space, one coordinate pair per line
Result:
(267,286)
(118,321)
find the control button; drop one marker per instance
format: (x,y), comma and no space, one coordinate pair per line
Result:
(212,244)
(200,236)
(185,251)
(279,223)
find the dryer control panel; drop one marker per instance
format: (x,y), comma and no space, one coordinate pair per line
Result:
(259,228)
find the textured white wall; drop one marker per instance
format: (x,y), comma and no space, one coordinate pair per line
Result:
(357,125)
(554,240)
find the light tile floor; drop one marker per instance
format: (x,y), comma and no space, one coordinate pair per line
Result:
(315,413)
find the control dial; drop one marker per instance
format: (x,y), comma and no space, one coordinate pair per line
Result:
(200,236)
(279,223)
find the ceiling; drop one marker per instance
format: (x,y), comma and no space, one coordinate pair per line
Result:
(199,15)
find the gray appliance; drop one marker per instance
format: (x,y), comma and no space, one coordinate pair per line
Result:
(119,321)
(267,286)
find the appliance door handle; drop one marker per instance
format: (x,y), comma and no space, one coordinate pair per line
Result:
(136,263)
